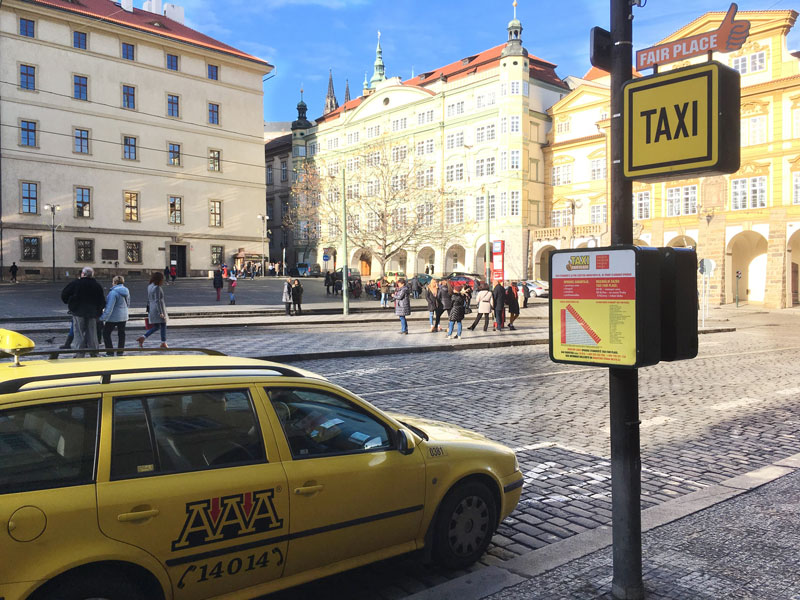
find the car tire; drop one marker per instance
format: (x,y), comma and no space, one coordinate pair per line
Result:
(464,525)
(93,587)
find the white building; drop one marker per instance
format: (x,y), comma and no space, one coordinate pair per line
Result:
(139,138)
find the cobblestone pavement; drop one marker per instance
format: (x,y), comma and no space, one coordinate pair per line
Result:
(731,410)
(744,548)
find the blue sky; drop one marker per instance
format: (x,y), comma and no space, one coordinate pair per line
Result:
(305,38)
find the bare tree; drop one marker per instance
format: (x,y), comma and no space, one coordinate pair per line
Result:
(392,201)
(303,214)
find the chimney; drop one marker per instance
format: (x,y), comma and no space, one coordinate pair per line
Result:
(127,5)
(174,12)
(153,6)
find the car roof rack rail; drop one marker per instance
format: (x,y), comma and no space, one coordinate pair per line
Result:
(117,351)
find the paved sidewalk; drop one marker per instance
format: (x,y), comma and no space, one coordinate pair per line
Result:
(736,540)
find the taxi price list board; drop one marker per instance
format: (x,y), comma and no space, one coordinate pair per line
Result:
(593,307)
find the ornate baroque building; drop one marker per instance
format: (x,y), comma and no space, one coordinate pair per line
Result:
(130,141)
(476,125)
(746,222)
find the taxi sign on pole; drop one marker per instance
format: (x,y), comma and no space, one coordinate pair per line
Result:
(682,122)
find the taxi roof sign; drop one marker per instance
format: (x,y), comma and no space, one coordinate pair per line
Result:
(685,121)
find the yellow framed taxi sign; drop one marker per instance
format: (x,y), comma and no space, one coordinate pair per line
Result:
(682,122)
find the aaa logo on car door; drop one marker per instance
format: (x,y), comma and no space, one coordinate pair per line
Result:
(227,517)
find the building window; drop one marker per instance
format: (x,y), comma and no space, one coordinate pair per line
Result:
(795,188)
(598,169)
(561,218)
(217,252)
(31,248)
(399,124)
(173,106)
(83,202)
(174,155)
(504,125)
(215,213)
(399,153)
(27,132)
(84,250)
(516,160)
(516,88)
(373,131)
(641,205)
(373,159)
(213,113)
(454,140)
(80,87)
(269,174)
(128,97)
(480,208)
(454,172)
(562,127)
(129,147)
(214,160)
(213,73)
(353,164)
(516,204)
(682,201)
(130,206)
(399,182)
(425,116)
(127,51)
(285,170)
(79,40)
(26,27)
(175,210)
(456,108)
(754,131)
(485,100)
(30,197)
(749,193)
(425,147)
(751,63)
(27,77)
(599,213)
(454,212)
(562,174)
(503,160)
(133,252)
(352,137)
(172,62)
(81,141)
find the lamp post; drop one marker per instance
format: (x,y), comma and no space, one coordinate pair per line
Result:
(345,267)
(264,220)
(53,208)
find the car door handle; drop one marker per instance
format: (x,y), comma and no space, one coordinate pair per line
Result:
(308,490)
(139,515)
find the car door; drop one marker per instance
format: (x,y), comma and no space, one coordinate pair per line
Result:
(352,493)
(192,478)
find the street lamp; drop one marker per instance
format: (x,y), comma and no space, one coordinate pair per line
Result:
(345,267)
(53,208)
(264,220)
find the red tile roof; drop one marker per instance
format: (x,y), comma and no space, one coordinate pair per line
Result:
(539,69)
(142,20)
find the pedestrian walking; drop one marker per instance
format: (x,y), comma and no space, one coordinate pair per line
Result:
(297,297)
(286,298)
(173,273)
(526,293)
(156,310)
(13,270)
(384,293)
(115,315)
(457,308)
(415,287)
(432,298)
(512,302)
(166,274)
(402,304)
(232,283)
(218,282)
(86,301)
(498,304)
(445,301)
(328,283)
(484,300)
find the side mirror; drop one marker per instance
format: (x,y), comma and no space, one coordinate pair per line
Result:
(407,443)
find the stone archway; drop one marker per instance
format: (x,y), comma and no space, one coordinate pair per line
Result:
(398,262)
(426,260)
(747,254)
(682,241)
(362,261)
(793,267)
(455,259)
(480,260)
(543,263)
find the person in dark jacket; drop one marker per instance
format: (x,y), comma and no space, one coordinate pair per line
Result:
(445,301)
(86,301)
(328,283)
(512,302)
(457,302)
(286,297)
(431,296)
(218,283)
(297,297)
(526,293)
(402,304)
(499,295)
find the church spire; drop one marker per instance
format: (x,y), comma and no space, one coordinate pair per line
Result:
(346,91)
(331,103)
(379,74)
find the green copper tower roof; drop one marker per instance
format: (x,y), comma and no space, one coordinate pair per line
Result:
(379,74)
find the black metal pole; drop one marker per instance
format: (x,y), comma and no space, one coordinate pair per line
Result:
(623,384)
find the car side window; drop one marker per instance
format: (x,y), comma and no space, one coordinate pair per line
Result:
(318,423)
(48,446)
(185,431)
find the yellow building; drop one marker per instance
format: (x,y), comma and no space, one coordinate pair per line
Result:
(746,222)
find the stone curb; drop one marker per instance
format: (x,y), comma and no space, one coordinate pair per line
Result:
(487,581)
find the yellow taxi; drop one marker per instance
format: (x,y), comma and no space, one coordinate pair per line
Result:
(167,476)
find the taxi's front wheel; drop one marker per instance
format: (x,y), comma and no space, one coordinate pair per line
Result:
(94,588)
(464,525)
